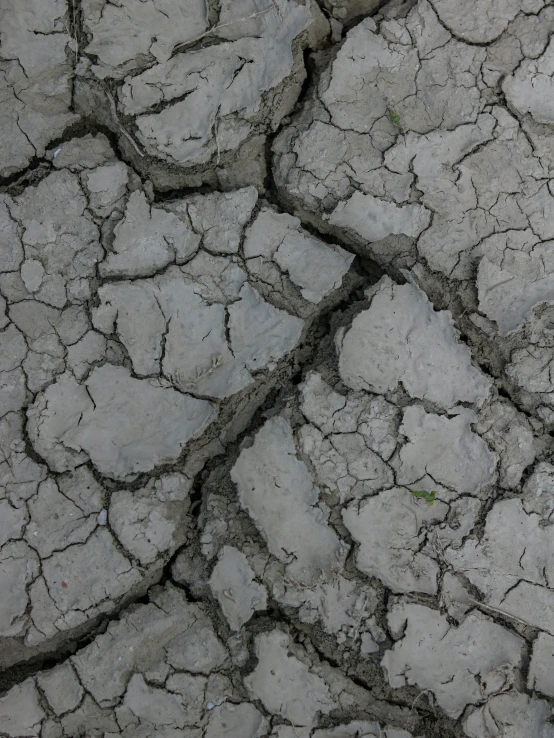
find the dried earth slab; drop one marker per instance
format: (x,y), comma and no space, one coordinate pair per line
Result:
(361,498)
(510,563)
(197,88)
(36,77)
(427,143)
(134,335)
(165,669)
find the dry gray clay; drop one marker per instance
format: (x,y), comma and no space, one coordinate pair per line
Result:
(512,714)
(164,670)
(406,150)
(36,70)
(329,514)
(510,564)
(196,88)
(253,486)
(128,329)
(461,665)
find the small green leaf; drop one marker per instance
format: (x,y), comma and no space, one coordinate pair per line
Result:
(394,118)
(427,496)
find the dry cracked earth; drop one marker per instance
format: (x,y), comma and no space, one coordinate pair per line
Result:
(276,369)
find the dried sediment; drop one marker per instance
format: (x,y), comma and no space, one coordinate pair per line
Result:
(134,335)
(249,486)
(426,143)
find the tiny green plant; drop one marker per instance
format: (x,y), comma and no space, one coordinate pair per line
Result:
(427,496)
(394,118)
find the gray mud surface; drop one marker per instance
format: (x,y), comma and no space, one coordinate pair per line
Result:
(276,369)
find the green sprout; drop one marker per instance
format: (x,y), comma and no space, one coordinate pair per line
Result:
(394,118)
(427,496)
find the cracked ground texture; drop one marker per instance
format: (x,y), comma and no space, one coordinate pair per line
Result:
(276,369)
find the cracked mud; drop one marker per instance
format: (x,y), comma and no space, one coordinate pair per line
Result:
(276,369)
